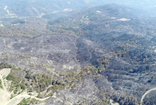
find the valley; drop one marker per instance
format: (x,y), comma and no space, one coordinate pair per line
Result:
(62,55)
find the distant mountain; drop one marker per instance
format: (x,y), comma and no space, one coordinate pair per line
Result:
(106,14)
(12,8)
(38,7)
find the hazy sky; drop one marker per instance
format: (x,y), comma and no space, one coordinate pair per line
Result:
(136,3)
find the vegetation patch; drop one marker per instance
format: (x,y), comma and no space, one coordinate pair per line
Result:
(5,65)
(25,101)
(1,84)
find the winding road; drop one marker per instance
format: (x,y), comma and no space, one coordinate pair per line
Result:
(2,81)
(16,100)
(147,92)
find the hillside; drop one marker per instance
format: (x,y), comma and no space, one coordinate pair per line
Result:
(89,56)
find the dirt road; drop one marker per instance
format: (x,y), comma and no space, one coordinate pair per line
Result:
(6,95)
(147,92)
